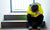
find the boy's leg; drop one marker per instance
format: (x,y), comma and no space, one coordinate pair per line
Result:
(40,18)
(29,19)
(37,22)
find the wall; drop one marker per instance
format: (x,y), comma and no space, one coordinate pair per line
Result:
(4,8)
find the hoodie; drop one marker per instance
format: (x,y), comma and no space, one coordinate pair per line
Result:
(33,13)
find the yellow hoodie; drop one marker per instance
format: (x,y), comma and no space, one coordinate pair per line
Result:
(33,13)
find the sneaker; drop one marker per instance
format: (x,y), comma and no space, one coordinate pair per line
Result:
(30,28)
(38,28)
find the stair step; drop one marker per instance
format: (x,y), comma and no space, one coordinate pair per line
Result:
(16,24)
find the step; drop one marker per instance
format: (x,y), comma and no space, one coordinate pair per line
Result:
(14,24)
(17,24)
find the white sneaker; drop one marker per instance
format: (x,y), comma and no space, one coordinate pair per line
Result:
(30,28)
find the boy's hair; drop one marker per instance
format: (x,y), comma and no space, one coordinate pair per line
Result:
(34,8)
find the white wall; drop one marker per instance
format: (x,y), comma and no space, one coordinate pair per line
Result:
(46,8)
(4,8)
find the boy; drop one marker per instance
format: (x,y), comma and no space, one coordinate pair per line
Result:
(35,15)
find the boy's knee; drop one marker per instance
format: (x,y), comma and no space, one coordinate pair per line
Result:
(41,15)
(28,15)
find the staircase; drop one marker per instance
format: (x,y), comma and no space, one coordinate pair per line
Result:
(16,21)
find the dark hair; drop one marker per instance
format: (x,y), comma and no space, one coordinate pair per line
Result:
(34,8)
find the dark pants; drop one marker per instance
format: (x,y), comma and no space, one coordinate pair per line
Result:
(35,22)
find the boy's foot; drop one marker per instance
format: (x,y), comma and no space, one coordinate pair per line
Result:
(38,28)
(34,29)
(30,29)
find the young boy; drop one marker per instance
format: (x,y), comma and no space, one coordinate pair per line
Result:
(35,15)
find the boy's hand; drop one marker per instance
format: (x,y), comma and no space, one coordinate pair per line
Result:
(37,12)
(31,15)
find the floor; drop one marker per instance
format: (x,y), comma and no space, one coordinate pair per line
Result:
(19,29)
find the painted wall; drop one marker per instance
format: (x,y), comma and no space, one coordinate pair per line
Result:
(4,8)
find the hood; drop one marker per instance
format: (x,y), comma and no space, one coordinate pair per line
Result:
(38,5)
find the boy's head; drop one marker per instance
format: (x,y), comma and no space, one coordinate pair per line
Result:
(34,8)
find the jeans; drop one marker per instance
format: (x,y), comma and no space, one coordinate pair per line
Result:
(35,22)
